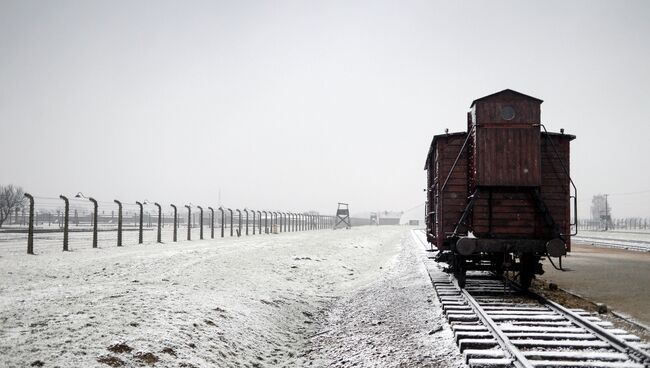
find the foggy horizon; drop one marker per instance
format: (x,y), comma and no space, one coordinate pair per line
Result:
(299,106)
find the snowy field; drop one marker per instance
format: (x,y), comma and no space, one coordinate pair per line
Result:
(358,297)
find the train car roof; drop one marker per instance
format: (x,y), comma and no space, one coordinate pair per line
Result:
(436,137)
(570,136)
(433,141)
(505,91)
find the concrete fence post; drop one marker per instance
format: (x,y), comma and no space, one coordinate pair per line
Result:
(66,217)
(211,222)
(189,222)
(283,222)
(159,235)
(239,220)
(95,209)
(200,222)
(223,221)
(266,222)
(119,222)
(175,236)
(30,229)
(274,221)
(253,213)
(140,222)
(231,221)
(246,211)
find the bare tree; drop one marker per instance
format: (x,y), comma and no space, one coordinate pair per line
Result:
(11,197)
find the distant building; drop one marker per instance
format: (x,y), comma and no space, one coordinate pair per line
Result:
(389,217)
(413,216)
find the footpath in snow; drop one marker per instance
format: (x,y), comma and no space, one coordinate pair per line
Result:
(356,297)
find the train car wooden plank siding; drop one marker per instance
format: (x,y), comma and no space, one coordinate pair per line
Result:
(499,195)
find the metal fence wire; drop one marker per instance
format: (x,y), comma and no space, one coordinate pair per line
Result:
(617,224)
(68,223)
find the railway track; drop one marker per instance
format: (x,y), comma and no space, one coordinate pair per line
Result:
(498,326)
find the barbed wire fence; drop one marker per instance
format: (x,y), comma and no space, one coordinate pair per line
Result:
(67,223)
(627,224)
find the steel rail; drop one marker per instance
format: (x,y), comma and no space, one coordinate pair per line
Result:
(513,353)
(639,355)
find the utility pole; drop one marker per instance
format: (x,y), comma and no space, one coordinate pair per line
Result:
(606,213)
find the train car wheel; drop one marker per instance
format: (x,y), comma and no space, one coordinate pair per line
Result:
(460,270)
(528,264)
(496,262)
(461,279)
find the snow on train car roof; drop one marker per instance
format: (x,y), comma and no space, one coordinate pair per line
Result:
(570,136)
(433,142)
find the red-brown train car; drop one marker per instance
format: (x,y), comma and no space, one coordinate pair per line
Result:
(499,196)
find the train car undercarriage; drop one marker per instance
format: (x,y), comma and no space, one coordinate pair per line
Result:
(520,257)
(522,266)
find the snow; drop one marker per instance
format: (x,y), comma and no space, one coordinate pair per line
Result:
(319,298)
(639,241)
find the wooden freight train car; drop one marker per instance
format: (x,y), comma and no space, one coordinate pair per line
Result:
(499,196)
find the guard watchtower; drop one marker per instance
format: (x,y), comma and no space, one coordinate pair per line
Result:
(342,216)
(374,220)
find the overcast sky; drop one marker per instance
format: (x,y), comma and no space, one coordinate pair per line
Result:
(300,105)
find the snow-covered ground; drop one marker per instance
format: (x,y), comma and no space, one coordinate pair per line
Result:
(319,298)
(639,241)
